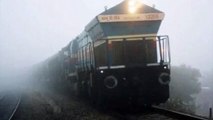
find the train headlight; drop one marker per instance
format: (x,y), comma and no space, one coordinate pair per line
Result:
(164,78)
(133,5)
(110,82)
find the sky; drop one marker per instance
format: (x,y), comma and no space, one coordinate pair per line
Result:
(33,30)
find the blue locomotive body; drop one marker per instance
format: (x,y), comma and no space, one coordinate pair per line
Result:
(119,56)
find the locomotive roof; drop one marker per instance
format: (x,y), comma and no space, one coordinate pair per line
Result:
(122,8)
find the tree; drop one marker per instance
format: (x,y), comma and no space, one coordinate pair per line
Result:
(208,79)
(204,98)
(183,88)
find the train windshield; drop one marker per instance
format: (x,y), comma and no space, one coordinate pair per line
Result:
(100,48)
(132,52)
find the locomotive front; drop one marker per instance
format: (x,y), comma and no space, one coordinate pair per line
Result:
(130,60)
(134,68)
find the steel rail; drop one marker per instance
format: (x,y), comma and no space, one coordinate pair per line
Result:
(176,114)
(16,107)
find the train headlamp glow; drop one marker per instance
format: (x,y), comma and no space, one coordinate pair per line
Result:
(132,10)
(133,5)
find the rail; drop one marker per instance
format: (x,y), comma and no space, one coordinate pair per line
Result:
(176,114)
(15,109)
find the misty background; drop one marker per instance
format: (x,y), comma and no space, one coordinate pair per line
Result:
(33,30)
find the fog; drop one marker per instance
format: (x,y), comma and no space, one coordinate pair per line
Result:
(33,30)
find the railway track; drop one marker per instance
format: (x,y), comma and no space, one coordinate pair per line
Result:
(9,104)
(155,113)
(12,116)
(176,114)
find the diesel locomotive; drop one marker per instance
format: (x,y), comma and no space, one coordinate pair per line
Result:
(118,56)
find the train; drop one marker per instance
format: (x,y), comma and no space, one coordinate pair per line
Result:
(118,57)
